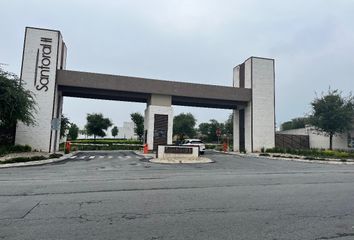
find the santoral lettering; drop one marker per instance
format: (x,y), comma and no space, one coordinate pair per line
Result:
(43,64)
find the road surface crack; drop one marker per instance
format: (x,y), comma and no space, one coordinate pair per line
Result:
(29,211)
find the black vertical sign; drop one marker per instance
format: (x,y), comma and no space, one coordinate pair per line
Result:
(160,130)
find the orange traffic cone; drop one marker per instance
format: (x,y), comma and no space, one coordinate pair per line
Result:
(146,150)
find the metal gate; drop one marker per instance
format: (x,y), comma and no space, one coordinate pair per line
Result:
(292,141)
(160,130)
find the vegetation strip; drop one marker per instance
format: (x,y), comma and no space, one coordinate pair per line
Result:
(314,153)
(30,159)
(14,149)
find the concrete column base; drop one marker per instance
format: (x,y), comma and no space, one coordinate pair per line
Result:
(149,122)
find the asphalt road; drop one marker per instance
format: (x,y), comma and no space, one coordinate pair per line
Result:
(115,195)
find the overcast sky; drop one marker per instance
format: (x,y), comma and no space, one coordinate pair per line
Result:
(200,41)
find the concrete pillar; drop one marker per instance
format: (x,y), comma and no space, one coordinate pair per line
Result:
(236,123)
(157,105)
(236,131)
(259,114)
(44,52)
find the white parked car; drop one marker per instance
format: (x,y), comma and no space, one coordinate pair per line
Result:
(195,142)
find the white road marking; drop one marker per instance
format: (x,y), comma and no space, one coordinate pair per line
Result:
(120,157)
(101,156)
(73,157)
(128,156)
(82,157)
(91,157)
(110,156)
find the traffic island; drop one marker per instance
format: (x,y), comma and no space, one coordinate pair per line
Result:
(179,154)
(181,160)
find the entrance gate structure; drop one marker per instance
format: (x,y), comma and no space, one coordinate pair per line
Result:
(44,73)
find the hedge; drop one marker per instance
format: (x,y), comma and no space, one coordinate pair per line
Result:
(81,147)
(14,149)
(341,154)
(106,141)
(29,159)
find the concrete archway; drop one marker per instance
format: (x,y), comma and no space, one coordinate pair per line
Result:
(44,72)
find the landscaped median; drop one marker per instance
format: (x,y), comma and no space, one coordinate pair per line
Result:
(175,154)
(181,160)
(311,155)
(30,159)
(104,144)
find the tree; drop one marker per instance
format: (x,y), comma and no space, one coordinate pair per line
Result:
(229,125)
(295,123)
(183,125)
(64,125)
(83,132)
(96,124)
(73,131)
(204,129)
(209,129)
(16,103)
(114,131)
(332,113)
(138,120)
(214,125)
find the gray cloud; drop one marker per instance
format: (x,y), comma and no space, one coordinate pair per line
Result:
(197,41)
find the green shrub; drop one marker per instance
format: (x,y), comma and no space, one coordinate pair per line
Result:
(107,141)
(90,147)
(20,148)
(55,155)
(311,153)
(264,154)
(14,149)
(210,146)
(23,159)
(61,146)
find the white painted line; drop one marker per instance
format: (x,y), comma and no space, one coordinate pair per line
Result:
(120,157)
(128,156)
(82,157)
(110,156)
(91,157)
(73,157)
(101,156)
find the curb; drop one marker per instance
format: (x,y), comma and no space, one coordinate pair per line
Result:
(329,161)
(181,161)
(151,158)
(145,156)
(37,163)
(334,162)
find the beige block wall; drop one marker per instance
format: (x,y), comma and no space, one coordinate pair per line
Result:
(319,139)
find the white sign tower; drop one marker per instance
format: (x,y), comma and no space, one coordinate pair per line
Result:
(44,52)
